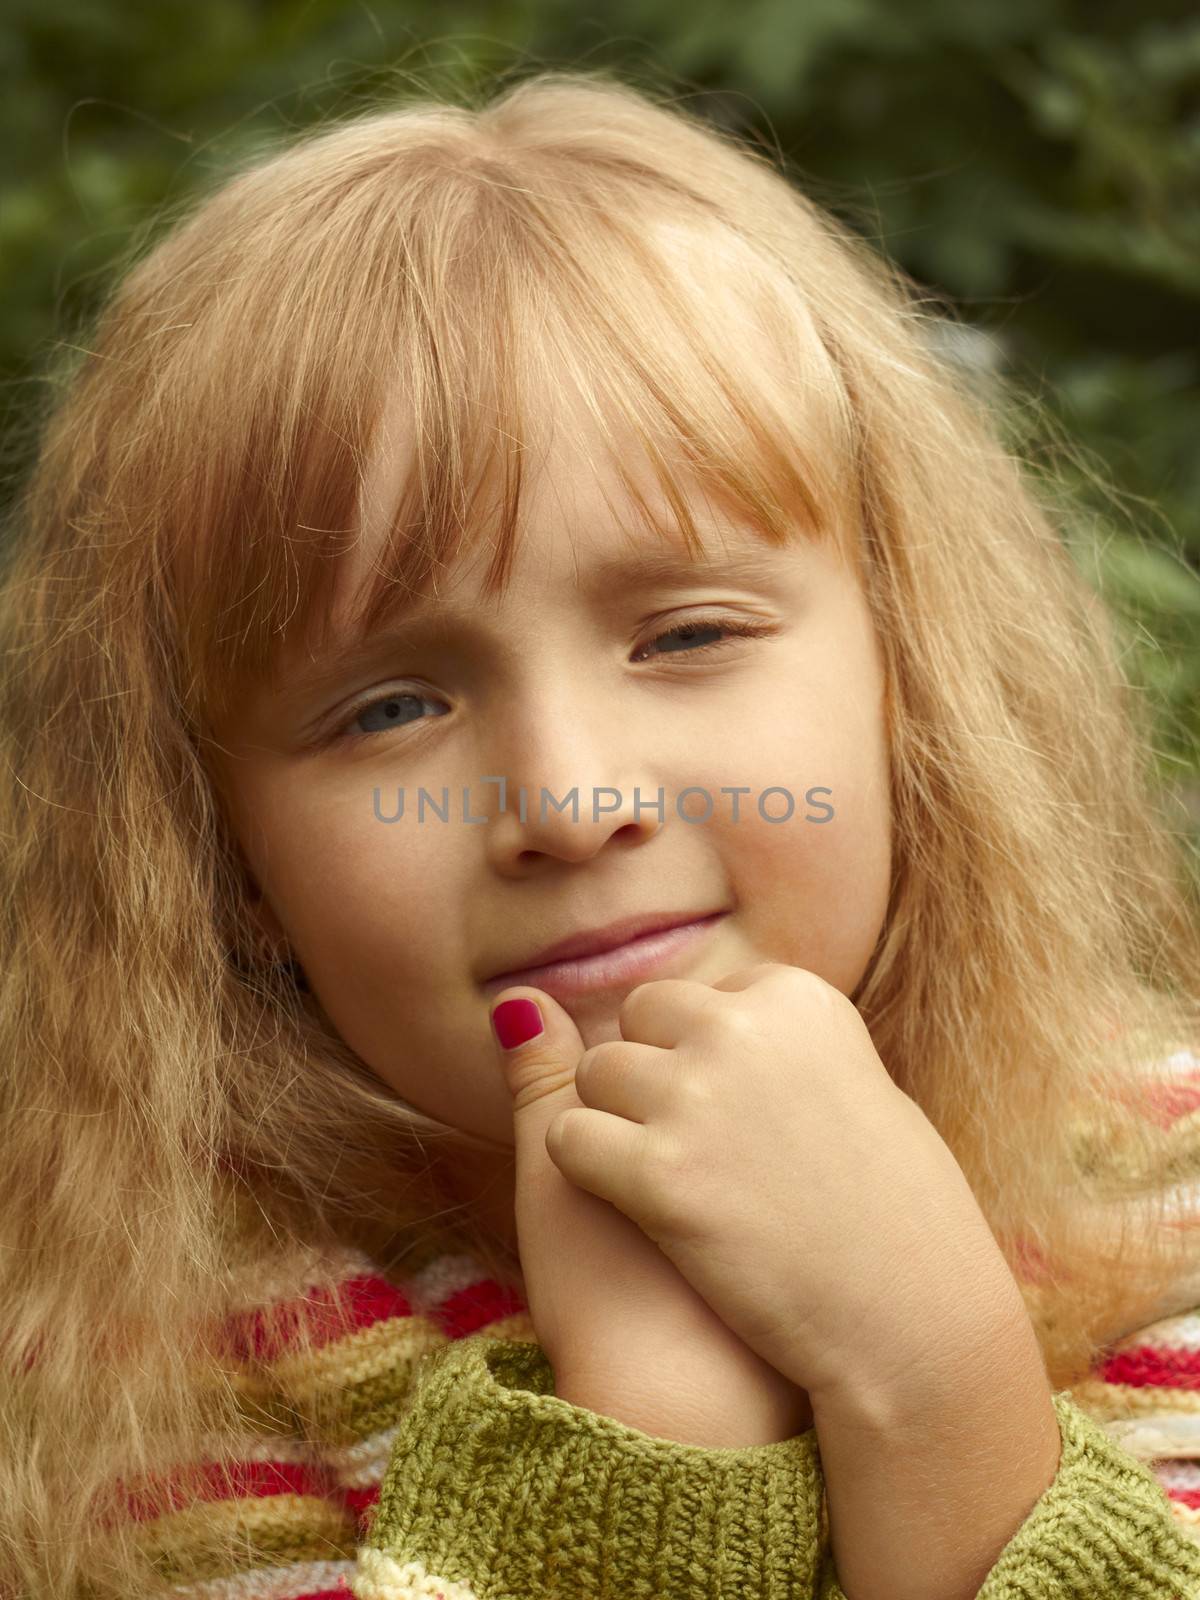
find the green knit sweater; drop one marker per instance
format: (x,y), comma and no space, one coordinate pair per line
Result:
(497,1489)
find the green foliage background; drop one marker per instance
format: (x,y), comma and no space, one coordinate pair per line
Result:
(1035,162)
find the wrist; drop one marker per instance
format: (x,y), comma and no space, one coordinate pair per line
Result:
(933,1380)
(731,1422)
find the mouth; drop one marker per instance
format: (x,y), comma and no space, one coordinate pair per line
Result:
(622,967)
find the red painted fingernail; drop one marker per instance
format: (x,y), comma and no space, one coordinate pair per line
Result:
(515,1021)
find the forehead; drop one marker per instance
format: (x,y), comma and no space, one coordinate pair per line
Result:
(583,522)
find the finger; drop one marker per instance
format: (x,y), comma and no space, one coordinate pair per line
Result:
(609,1156)
(626,1080)
(662,1011)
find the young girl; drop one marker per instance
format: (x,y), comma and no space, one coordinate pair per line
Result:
(448,463)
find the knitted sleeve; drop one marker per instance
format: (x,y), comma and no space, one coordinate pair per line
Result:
(496,1487)
(1103,1526)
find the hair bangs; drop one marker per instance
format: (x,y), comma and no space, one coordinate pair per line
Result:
(522,283)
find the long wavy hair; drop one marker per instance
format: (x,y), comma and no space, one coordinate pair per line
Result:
(183,1130)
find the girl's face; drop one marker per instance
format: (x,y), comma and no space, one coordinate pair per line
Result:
(559,684)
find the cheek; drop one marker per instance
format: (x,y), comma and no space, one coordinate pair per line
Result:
(351,890)
(815,894)
(376,913)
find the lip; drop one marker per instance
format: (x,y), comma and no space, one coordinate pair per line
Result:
(595,941)
(621,966)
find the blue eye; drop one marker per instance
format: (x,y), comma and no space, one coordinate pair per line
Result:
(395,706)
(394,709)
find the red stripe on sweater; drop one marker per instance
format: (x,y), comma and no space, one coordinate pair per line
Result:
(1173,1101)
(475,1306)
(253,1480)
(361,1503)
(1147,1366)
(239,1480)
(266,1335)
(1163,1102)
(357,1303)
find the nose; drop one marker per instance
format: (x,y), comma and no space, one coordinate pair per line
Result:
(569,784)
(573,822)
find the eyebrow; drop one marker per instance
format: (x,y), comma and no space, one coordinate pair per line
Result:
(605,580)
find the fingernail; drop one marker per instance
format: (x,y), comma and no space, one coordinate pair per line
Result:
(515,1021)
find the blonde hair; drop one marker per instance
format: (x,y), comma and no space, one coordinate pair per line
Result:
(181,1125)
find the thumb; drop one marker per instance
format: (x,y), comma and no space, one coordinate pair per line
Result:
(578,1252)
(539,1046)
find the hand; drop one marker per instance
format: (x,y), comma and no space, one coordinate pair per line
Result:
(625,1334)
(749,1128)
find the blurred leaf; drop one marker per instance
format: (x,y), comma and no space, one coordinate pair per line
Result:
(1147,577)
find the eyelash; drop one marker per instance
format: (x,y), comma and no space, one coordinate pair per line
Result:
(733,630)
